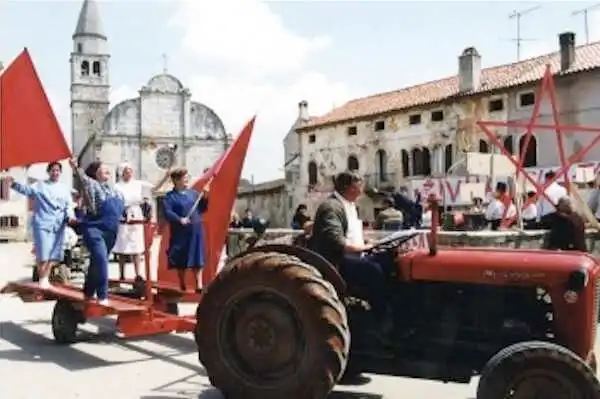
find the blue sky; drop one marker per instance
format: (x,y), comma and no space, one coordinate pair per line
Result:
(244,56)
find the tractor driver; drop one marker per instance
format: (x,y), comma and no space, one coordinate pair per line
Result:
(337,236)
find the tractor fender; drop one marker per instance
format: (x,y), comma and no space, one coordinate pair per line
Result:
(307,256)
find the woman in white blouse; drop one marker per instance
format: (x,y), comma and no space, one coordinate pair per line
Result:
(130,238)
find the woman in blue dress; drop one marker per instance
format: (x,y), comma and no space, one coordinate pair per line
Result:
(51,211)
(186,245)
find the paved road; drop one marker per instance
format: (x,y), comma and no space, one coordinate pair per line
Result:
(32,366)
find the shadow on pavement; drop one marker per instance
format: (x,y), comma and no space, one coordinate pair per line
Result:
(208,392)
(34,347)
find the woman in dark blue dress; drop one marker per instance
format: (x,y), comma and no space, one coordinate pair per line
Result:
(186,245)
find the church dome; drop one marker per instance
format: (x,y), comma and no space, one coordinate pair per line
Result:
(165,83)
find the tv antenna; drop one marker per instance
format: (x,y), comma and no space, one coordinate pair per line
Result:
(585,11)
(517,15)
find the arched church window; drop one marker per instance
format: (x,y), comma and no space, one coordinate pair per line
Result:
(79,48)
(85,68)
(96,68)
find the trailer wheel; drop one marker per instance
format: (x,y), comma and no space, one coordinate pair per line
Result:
(537,369)
(65,319)
(269,326)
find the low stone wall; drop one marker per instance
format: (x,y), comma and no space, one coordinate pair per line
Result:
(238,238)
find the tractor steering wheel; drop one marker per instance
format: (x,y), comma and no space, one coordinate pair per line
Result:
(391,242)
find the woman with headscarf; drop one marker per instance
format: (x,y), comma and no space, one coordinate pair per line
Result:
(183,208)
(130,238)
(52,210)
(103,209)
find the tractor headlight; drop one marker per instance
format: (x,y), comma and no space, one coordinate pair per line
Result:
(577,280)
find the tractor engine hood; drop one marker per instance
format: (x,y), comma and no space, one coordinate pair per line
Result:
(501,266)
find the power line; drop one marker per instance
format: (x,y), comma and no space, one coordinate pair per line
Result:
(584,12)
(517,15)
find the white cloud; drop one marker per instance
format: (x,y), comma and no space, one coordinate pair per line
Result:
(263,69)
(243,34)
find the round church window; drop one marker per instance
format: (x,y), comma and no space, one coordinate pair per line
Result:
(165,157)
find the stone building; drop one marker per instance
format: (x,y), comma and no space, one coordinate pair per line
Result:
(140,130)
(267,200)
(416,136)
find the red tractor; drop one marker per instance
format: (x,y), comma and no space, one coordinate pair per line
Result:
(277,322)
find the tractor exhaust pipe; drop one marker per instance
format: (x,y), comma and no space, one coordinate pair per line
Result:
(434,204)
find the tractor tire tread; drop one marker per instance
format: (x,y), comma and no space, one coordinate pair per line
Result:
(320,304)
(521,353)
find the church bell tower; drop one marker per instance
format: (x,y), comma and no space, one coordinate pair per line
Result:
(90,83)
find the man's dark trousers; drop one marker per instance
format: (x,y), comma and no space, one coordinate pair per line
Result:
(369,278)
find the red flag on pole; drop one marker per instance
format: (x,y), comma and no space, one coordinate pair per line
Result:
(29,130)
(225,177)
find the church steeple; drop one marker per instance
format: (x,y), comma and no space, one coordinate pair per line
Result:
(90,83)
(89,22)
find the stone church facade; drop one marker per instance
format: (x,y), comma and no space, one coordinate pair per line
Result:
(140,131)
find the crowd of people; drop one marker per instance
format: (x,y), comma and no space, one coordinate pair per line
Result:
(109,218)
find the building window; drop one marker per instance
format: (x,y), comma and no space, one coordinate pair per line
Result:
(496,105)
(352,131)
(529,154)
(448,157)
(379,126)
(79,48)
(508,145)
(421,162)
(484,147)
(526,99)
(353,164)
(8,222)
(381,165)
(312,173)
(4,190)
(85,68)
(414,119)
(405,164)
(96,68)
(312,138)
(437,116)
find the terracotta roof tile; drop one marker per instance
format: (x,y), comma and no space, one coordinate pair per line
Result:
(587,57)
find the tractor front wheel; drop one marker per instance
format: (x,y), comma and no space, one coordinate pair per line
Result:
(537,370)
(269,326)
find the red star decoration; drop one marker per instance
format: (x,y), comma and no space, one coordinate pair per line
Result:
(548,87)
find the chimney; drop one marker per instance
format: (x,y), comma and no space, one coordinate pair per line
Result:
(303,110)
(469,70)
(566,42)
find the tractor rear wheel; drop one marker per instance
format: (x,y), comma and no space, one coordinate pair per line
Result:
(269,326)
(540,370)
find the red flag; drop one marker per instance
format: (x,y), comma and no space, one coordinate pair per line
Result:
(29,130)
(225,174)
